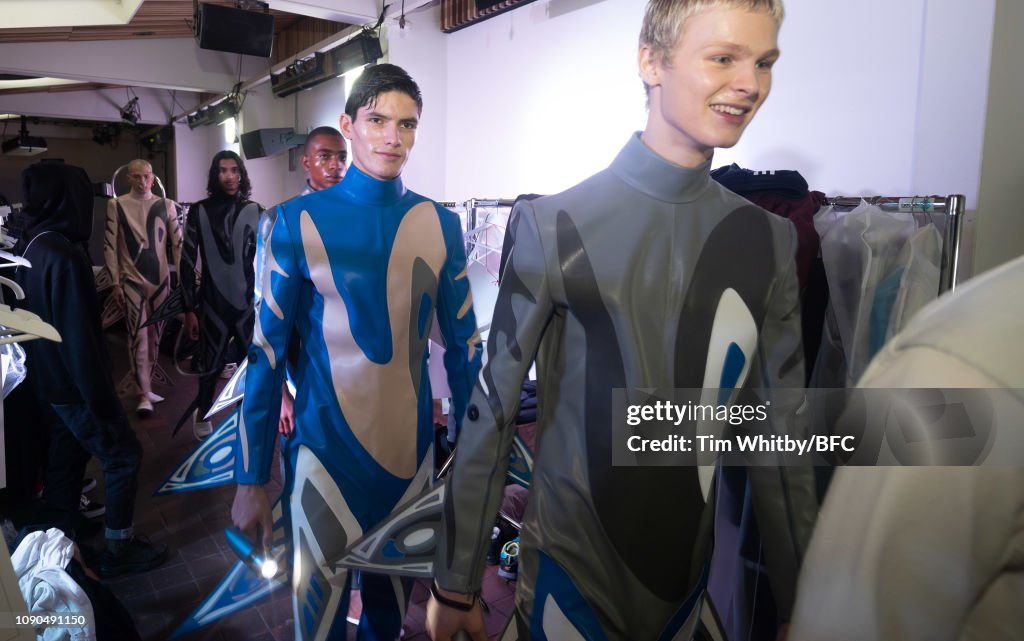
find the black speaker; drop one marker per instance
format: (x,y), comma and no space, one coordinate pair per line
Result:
(267,142)
(233,30)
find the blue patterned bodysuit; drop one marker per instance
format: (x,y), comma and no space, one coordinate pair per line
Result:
(360,270)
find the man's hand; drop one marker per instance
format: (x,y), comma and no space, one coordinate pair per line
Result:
(192,326)
(251,514)
(444,622)
(286,423)
(118,294)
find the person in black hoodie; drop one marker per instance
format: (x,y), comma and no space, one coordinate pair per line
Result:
(220,241)
(72,379)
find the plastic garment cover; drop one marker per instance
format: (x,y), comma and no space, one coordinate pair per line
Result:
(863,256)
(919,284)
(14,366)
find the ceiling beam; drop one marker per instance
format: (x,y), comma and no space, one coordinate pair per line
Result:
(358,12)
(171,63)
(155,106)
(70,13)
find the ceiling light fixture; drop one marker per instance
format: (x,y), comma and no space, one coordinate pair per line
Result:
(303,74)
(130,113)
(217,113)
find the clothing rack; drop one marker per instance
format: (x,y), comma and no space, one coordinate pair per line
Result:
(482,245)
(952,207)
(473,204)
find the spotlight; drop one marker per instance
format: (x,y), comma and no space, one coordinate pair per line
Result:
(130,113)
(360,51)
(216,114)
(303,74)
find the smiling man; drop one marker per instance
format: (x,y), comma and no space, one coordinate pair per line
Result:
(360,270)
(646,275)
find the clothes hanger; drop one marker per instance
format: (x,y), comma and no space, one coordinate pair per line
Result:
(12,260)
(18,325)
(19,293)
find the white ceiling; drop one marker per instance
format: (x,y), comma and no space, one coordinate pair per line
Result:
(67,13)
(132,59)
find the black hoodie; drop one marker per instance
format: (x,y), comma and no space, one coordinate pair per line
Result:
(61,290)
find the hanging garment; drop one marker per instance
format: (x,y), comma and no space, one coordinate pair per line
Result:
(39,563)
(921,275)
(785,193)
(860,250)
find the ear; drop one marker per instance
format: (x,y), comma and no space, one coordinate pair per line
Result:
(345,125)
(649,64)
(304,159)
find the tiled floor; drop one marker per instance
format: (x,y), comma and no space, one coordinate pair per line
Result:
(192,525)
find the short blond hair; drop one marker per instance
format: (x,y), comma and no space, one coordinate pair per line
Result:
(138,162)
(664,19)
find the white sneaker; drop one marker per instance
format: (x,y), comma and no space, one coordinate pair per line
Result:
(144,408)
(229,370)
(154,397)
(200,429)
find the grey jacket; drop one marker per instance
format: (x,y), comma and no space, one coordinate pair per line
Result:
(616,283)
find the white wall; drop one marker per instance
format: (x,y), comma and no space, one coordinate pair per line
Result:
(844,101)
(1000,217)
(421,49)
(541,97)
(193,149)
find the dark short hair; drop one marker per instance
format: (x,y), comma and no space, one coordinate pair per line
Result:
(380,79)
(324,131)
(213,187)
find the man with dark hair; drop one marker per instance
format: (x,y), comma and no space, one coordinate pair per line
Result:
(646,276)
(324,158)
(72,379)
(360,270)
(141,228)
(220,240)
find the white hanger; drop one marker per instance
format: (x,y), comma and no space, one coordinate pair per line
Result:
(17,325)
(19,293)
(12,260)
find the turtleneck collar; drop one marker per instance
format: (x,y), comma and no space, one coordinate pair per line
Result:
(642,169)
(359,186)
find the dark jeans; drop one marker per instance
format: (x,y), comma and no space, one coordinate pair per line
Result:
(75,434)
(216,349)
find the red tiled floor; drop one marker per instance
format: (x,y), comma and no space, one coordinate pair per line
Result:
(192,524)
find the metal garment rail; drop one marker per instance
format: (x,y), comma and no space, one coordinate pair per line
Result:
(952,207)
(472,204)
